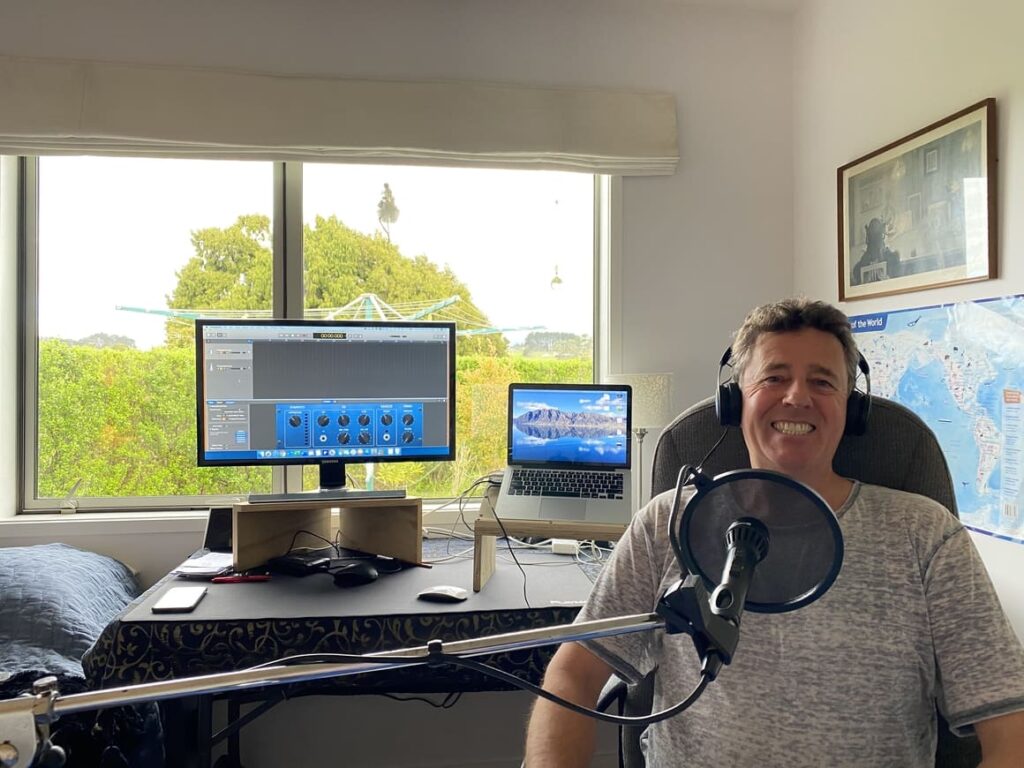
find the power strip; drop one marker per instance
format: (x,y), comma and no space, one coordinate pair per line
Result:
(565,546)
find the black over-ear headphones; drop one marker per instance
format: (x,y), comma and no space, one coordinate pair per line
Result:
(729,399)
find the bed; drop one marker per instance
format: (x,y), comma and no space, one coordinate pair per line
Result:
(55,600)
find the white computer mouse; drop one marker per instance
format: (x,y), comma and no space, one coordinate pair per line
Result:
(443,594)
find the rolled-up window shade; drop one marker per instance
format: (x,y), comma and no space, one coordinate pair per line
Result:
(58,107)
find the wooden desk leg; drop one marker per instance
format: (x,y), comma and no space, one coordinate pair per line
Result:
(484,555)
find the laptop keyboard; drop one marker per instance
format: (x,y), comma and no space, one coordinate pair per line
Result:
(581,484)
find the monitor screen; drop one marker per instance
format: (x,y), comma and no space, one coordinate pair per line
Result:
(569,425)
(319,392)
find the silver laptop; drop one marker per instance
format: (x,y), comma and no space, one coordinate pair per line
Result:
(569,453)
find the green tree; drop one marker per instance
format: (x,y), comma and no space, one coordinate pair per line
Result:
(122,420)
(556,344)
(387,211)
(231,269)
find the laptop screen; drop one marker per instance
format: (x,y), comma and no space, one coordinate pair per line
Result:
(569,425)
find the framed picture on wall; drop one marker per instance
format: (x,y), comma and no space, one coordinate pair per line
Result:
(921,212)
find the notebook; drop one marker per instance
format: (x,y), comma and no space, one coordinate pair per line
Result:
(569,453)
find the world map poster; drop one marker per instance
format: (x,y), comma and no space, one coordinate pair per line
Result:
(960,367)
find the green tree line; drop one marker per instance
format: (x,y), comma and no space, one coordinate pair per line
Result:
(123,421)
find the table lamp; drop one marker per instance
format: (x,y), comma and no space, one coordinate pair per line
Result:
(652,408)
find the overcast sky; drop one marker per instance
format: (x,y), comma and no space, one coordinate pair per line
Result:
(115,231)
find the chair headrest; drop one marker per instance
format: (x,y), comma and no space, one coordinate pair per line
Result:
(897,451)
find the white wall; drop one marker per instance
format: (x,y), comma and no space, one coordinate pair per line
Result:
(698,248)
(869,72)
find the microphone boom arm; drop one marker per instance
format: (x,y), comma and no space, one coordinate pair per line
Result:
(25,721)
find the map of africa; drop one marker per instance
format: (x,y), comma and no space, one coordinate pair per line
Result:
(960,367)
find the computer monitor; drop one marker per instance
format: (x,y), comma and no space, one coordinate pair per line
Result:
(325,392)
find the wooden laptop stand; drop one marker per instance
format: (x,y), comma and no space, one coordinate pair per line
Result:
(486,531)
(390,527)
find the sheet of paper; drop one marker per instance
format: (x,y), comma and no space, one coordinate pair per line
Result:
(210,564)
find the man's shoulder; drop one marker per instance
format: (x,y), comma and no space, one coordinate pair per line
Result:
(918,514)
(894,497)
(659,508)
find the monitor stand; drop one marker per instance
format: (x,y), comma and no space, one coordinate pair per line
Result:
(389,527)
(332,488)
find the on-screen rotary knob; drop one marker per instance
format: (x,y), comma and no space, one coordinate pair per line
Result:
(344,437)
(408,419)
(408,437)
(364,419)
(364,437)
(386,419)
(295,420)
(323,419)
(343,420)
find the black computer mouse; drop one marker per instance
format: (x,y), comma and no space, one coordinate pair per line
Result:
(355,574)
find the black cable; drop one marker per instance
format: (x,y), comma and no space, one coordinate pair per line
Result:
(461,498)
(439,659)
(302,659)
(511,550)
(686,474)
(330,543)
(449,701)
(643,721)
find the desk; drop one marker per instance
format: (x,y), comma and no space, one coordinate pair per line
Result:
(240,625)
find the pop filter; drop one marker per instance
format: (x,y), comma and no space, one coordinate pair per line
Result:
(806,543)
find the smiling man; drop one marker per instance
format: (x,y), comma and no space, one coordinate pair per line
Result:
(854,679)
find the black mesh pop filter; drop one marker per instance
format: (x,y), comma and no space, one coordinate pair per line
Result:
(805,550)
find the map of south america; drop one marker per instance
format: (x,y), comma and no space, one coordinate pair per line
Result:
(960,367)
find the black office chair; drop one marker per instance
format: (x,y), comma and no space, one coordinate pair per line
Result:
(898,451)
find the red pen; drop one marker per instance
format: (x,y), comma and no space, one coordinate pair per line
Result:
(238,578)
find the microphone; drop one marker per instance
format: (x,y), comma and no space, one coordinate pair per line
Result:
(747,540)
(773,544)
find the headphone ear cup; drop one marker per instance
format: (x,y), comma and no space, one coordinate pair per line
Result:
(729,404)
(858,407)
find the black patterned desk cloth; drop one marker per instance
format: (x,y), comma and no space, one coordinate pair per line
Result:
(240,625)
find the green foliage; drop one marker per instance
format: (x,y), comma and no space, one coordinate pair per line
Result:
(123,420)
(555,344)
(105,340)
(231,269)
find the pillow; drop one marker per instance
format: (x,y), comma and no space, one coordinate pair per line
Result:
(55,601)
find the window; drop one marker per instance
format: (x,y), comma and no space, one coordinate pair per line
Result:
(124,253)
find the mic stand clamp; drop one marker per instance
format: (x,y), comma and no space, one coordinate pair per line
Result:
(686,607)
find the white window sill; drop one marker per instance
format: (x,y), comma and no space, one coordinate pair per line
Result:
(34,526)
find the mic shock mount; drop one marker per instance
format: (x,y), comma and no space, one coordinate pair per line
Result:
(713,621)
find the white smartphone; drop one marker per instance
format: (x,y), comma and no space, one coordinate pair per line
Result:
(179,600)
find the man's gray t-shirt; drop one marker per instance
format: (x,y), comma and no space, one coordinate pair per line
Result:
(851,679)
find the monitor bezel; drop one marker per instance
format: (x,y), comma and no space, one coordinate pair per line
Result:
(202,461)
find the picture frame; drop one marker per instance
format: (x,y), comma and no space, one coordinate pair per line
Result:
(921,212)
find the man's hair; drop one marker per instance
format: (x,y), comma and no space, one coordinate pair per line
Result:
(794,315)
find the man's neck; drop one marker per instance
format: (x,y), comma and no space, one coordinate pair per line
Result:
(835,489)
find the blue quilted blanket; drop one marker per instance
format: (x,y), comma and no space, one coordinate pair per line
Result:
(54,602)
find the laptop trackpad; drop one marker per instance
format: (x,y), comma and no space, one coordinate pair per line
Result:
(561,508)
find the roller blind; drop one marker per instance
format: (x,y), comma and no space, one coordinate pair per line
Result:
(50,106)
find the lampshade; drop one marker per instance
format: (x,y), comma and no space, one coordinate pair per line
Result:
(652,397)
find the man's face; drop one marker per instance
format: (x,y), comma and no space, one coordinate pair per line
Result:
(794,402)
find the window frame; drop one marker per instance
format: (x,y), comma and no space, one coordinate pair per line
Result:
(287,302)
